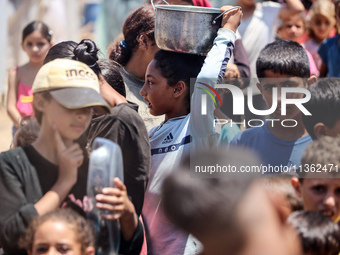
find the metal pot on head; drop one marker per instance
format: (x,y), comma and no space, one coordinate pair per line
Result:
(186,29)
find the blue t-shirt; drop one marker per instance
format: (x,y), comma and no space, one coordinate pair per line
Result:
(329,52)
(272,150)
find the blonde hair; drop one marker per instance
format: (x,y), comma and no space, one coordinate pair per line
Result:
(321,7)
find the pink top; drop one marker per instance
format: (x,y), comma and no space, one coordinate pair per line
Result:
(312,66)
(25,99)
(202,3)
(312,47)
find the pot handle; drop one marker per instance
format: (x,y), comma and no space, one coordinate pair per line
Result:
(153,6)
(214,21)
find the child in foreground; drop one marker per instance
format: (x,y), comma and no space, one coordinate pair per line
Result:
(37,179)
(318,234)
(118,126)
(59,232)
(229,216)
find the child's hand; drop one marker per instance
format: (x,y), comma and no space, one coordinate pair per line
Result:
(231,19)
(69,159)
(115,200)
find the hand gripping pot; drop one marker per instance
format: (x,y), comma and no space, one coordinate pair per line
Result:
(106,163)
(187,29)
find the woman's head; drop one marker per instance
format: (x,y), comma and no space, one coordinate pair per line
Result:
(138,28)
(322,19)
(86,51)
(60,232)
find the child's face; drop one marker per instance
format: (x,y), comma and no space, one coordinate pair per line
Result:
(71,123)
(321,26)
(36,46)
(277,80)
(292,29)
(55,237)
(156,92)
(321,195)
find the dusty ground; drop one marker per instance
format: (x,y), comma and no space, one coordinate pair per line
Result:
(5,127)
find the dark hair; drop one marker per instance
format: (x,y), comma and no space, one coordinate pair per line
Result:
(86,51)
(38,114)
(83,230)
(276,184)
(324,104)
(61,50)
(323,152)
(37,25)
(110,72)
(141,21)
(284,57)
(319,235)
(177,67)
(191,203)
(28,131)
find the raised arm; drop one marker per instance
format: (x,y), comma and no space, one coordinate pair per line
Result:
(295,5)
(292,7)
(212,72)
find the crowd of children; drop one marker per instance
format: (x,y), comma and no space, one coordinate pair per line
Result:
(144,100)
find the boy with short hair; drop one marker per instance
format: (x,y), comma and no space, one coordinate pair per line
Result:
(319,185)
(281,64)
(324,107)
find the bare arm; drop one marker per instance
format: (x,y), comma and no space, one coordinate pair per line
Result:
(12,110)
(293,6)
